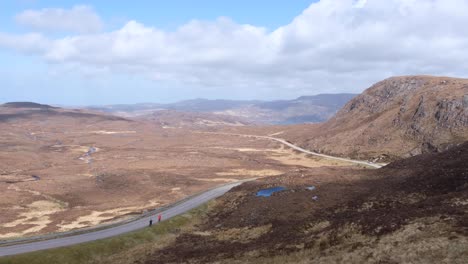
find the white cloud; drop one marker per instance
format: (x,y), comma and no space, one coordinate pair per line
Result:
(80,19)
(334,45)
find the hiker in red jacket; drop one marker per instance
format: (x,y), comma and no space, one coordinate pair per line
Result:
(159,218)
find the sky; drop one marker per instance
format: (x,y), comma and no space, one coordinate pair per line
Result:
(101,52)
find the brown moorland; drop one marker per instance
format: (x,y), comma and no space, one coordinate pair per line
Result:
(63,169)
(411,211)
(66,169)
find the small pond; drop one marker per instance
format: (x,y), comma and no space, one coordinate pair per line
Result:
(91,150)
(268,192)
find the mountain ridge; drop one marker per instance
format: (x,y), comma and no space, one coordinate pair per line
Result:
(304,109)
(398,117)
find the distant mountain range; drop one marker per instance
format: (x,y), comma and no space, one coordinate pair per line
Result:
(397,117)
(305,109)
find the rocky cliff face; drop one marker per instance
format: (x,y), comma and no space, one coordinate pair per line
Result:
(397,117)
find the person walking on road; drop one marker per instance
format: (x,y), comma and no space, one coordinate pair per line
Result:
(151,222)
(159,218)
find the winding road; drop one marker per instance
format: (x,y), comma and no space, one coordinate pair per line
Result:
(371,164)
(284,142)
(177,209)
(171,211)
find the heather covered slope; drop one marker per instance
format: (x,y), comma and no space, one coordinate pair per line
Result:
(412,211)
(397,117)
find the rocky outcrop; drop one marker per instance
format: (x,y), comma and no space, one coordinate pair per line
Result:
(397,117)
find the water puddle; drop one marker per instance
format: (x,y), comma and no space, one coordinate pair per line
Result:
(91,150)
(87,156)
(268,192)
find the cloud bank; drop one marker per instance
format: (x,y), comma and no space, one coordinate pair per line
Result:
(334,45)
(80,19)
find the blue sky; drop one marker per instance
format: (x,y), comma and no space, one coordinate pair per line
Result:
(102,52)
(170,14)
(23,75)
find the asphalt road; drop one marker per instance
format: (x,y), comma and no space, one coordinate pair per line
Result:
(375,165)
(282,141)
(166,214)
(120,229)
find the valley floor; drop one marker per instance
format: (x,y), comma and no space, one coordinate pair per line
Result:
(61,177)
(411,211)
(60,174)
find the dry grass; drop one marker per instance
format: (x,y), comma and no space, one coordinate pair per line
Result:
(36,217)
(128,248)
(244,172)
(246,234)
(134,163)
(293,158)
(423,241)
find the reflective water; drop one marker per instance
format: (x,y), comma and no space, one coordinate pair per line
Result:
(268,192)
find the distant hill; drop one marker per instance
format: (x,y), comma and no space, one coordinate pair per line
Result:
(27,105)
(205,105)
(175,119)
(397,117)
(35,112)
(29,112)
(305,109)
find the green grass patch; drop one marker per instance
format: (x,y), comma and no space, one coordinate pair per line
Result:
(119,249)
